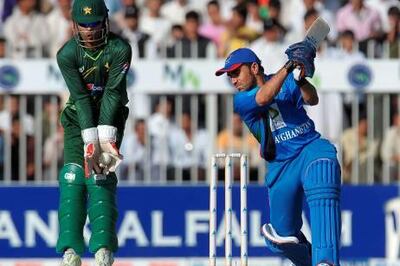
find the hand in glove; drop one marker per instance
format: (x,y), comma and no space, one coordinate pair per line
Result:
(304,54)
(91,150)
(107,139)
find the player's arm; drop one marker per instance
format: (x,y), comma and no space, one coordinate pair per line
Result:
(112,101)
(115,88)
(78,92)
(308,92)
(271,87)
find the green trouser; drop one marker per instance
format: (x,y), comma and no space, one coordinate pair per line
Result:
(80,196)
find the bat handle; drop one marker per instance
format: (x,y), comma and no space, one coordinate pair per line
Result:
(296,73)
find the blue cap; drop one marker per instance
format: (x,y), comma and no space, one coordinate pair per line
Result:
(237,58)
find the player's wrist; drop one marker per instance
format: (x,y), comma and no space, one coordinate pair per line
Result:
(301,82)
(289,66)
(90,135)
(107,133)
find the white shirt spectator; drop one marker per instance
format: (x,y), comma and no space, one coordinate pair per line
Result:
(157,27)
(159,129)
(272,54)
(136,157)
(175,12)
(27,35)
(187,153)
(28,122)
(60,30)
(391,145)
(296,23)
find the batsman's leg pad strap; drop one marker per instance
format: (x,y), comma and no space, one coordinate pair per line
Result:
(71,212)
(102,180)
(322,190)
(103,214)
(297,249)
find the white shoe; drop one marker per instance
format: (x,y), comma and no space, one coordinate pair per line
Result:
(103,257)
(70,258)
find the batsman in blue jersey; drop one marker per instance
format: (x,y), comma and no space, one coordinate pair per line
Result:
(301,163)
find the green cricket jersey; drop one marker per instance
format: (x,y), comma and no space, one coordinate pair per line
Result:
(96,79)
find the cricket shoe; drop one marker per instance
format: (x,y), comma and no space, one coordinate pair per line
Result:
(103,257)
(70,258)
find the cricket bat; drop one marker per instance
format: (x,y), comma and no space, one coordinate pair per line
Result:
(315,35)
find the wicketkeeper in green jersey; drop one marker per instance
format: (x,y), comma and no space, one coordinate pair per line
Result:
(94,65)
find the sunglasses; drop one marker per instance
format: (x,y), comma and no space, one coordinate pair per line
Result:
(90,25)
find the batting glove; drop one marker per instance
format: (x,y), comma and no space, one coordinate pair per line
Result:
(107,140)
(304,54)
(91,150)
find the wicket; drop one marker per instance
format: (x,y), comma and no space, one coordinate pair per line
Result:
(228,207)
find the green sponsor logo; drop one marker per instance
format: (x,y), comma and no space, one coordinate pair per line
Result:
(182,76)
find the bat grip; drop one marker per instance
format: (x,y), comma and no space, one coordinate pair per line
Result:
(296,73)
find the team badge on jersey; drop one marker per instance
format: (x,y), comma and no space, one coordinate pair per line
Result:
(276,121)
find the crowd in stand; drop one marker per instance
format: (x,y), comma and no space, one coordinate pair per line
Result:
(164,146)
(189,28)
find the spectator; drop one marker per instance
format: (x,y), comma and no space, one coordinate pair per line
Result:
(347,48)
(364,21)
(175,11)
(117,20)
(214,28)
(53,152)
(274,9)
(254,20)
(136,157)
(190,148)
(2,47)
(26,32)
(383,6)
(355,144)
(173,43)
(297,17)
(60,26)
(393,34)
(51,109)
(142,44)
(270,47)
(152,23)
(235,140)
(298,35)
(160,127)
(237,34)
(227,6)
(11,109)
(192,45)
(15,152)
(390,149)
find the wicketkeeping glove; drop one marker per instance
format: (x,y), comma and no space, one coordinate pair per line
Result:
(304,54)
(107,140)
(91,151)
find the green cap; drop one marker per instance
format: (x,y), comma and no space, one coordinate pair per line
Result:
(88,11)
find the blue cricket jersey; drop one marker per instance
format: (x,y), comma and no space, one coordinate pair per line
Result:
(291,127)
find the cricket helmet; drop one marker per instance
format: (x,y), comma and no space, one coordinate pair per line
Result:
(92,18)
